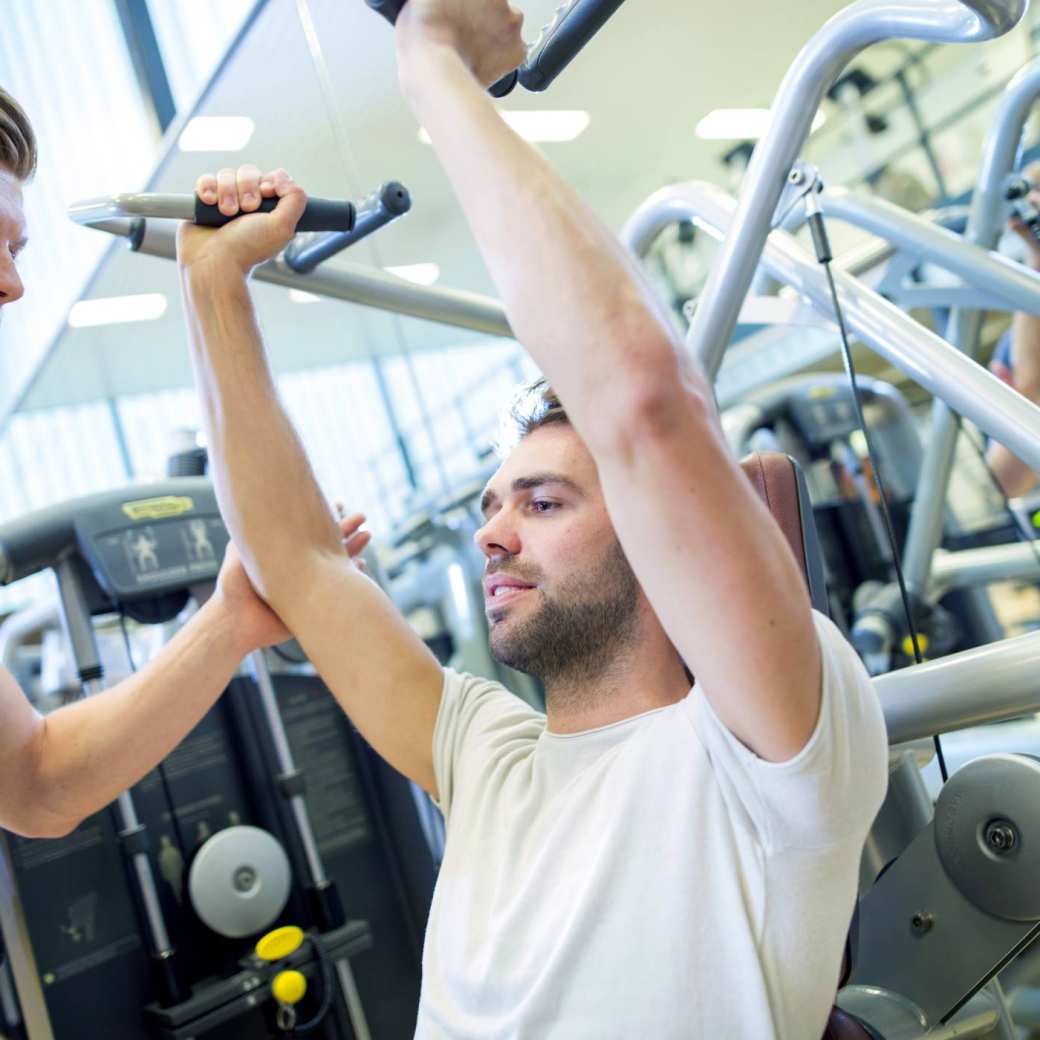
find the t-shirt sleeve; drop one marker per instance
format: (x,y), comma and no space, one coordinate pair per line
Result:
(833,788)
(477,721)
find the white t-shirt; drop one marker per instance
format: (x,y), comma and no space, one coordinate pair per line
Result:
(649,879)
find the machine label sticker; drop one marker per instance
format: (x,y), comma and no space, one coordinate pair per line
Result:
(158,508)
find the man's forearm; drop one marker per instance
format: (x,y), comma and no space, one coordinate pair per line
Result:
(268,495)
(541,243)
(87,753)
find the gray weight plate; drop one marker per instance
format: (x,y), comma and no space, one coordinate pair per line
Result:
(239,881)
(987,834)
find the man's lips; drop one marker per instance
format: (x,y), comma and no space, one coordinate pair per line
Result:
(501,588)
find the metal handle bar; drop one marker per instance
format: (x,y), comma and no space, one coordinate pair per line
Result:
(319,214)
(814,70)
(325,228)
(354,283)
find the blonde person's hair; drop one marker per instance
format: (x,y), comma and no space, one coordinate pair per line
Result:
(17,140)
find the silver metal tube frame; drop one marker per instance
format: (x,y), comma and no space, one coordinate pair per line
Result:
(813,72)
(930,361)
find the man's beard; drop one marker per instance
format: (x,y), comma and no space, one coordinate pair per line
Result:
(577,634)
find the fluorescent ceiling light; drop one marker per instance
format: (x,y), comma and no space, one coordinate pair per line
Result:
(216,134)
(739,124)
(540,127)
(300,296)
(112,310)
(421,274)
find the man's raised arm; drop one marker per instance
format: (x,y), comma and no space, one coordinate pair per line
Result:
(712,563)
(379,670)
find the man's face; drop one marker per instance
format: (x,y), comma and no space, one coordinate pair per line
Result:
(12,237)
(559,595)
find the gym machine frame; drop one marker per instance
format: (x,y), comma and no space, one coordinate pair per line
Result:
(50,538)
(991,279)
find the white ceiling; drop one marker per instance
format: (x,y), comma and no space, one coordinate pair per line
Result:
(654,70)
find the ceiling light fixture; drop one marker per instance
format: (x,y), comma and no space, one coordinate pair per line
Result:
(547,127)
(216,134)
(739,124)
(114,310)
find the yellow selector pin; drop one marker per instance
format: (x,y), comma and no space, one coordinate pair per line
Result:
(280,943)
(289,987)
(908,644)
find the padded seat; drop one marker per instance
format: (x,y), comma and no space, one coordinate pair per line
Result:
(781,485)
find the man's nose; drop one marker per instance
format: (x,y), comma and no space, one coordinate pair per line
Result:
(11,287)
(498,536)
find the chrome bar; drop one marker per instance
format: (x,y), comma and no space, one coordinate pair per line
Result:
(986,684)
(968,568)
(133,204)
(354,283)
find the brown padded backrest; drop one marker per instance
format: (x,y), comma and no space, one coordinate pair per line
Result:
(781,485)
(774,476)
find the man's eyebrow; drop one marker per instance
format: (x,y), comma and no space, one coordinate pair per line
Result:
(489,498)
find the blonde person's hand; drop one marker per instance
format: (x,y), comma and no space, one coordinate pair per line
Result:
(241,244)
(484,33)
(354,539)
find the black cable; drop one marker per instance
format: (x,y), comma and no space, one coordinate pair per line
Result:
(160,768)
(325,968)
(821,245)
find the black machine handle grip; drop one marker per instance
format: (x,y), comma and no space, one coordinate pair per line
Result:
(384,205)
(572,26)
(319,214)
(389,9)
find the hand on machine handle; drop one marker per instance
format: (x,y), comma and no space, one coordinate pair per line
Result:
(390,9)
(242,244)
(572,25)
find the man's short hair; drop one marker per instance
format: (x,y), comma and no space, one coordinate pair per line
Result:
(533,406)
(17,140)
